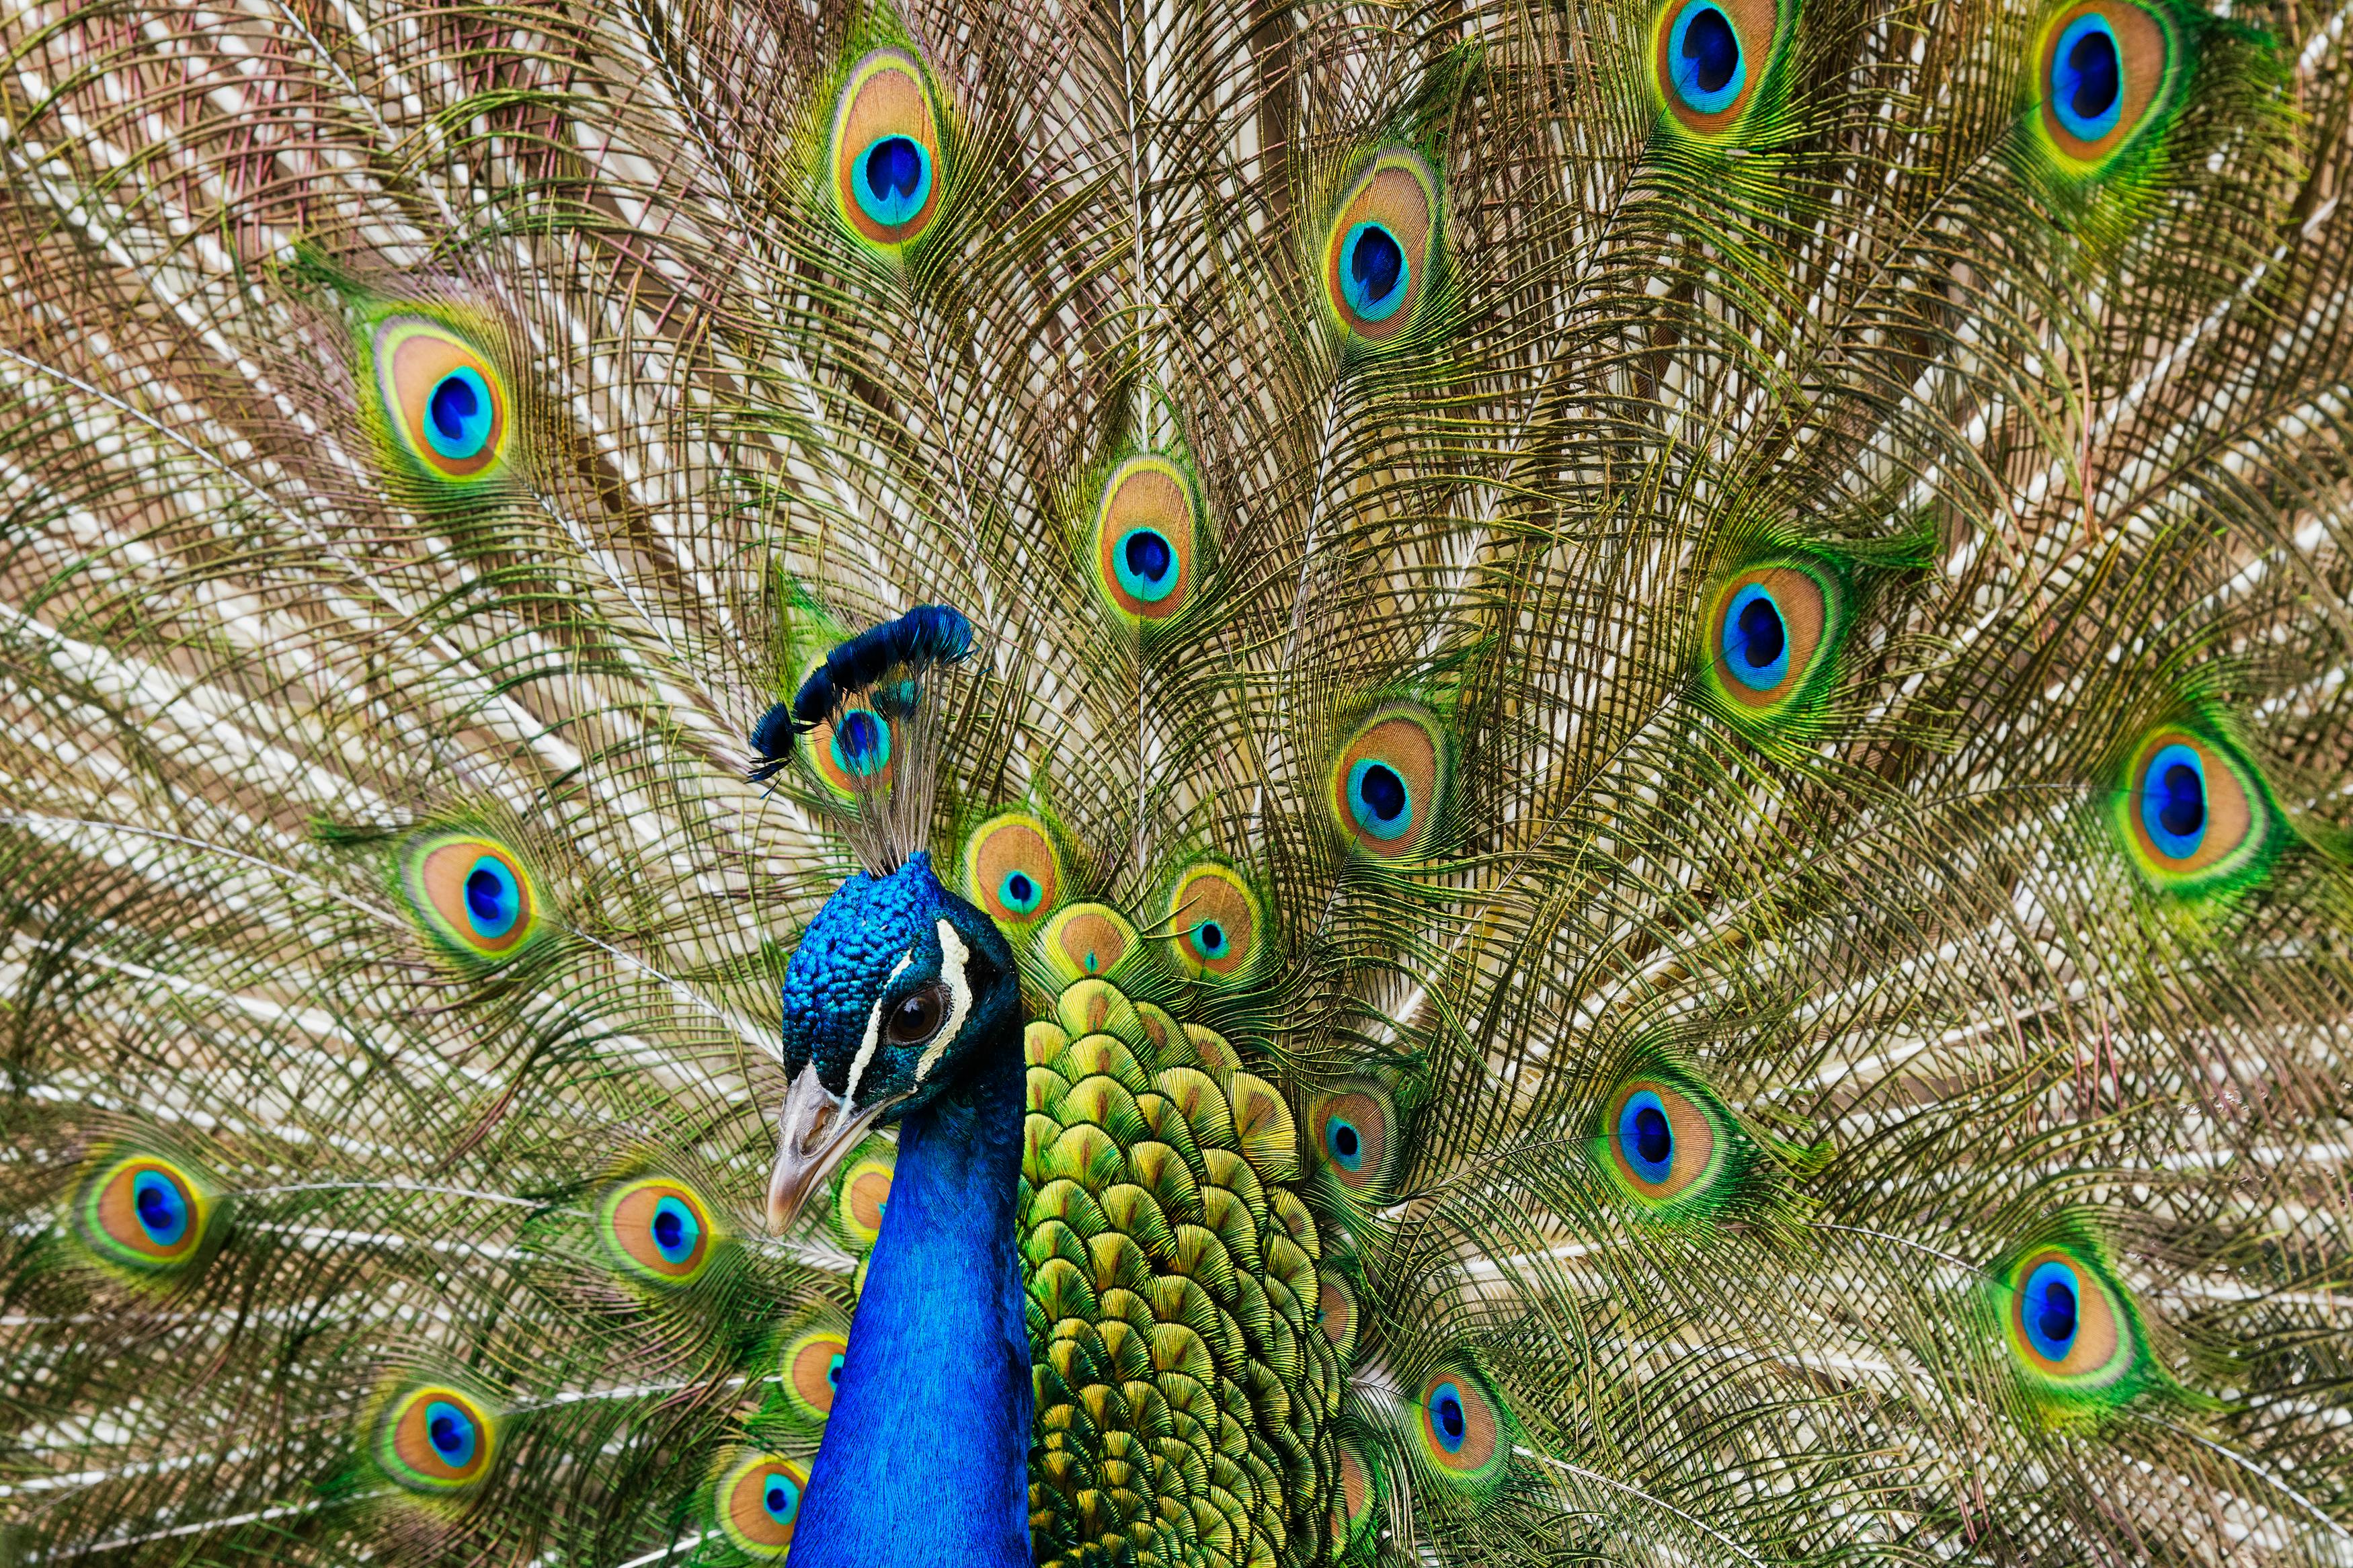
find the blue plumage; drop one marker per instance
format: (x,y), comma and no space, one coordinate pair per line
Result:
(903,1001)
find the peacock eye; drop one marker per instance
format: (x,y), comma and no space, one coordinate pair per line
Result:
(887,176)
(2105,70)
(1710,58)
(2192,811)
(1771,634)
(1145,541)
(916,1015)
(1378,253)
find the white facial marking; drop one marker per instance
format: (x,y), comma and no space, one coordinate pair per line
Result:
(954,959)
(873,1030)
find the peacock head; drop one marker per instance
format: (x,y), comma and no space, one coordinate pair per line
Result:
(898,989)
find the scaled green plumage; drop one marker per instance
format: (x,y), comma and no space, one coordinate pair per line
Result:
(1517,1074)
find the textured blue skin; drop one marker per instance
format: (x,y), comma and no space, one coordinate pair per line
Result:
(926,1456)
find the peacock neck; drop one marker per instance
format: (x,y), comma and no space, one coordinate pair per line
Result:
(925,1459)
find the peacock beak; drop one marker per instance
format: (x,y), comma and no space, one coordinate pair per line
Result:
(815,1128)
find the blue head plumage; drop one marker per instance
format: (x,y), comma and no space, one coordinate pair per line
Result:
(894,987)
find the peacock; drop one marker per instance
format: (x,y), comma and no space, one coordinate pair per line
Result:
(1127,784)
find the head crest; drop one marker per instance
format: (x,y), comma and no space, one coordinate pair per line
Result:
(872,729)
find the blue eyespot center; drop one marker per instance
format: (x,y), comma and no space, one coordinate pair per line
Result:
(1761,637)
(894,180)
(451,1431)
(1713,49)
(2173,801)
(833,1372)
(1347,1145)
(494,898)
(1020,893)
(2087,79)
(1378,799)
(1446,1418)
(1146,564)
(781,1499)
(1210,937)
(2051,1312)
(162,1210)
(1755,640)
(861,743)
(675,1231)
(1373,271)
(459,415)
(1647,1137)
(1704,58)
(1653,1139)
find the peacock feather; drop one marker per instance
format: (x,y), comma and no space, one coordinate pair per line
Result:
(1295,785)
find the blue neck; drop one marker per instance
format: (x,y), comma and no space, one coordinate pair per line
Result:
(927,1454)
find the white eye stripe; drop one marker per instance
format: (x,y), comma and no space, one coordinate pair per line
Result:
(873,1029)
(955,962)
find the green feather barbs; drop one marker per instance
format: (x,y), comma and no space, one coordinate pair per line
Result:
(448,407)
(470,894)
(2193,816)
(1144,552)
(1383,249)
(885,156)
(1769,640)
(1711,61)
(144,1216)
(1388,782)
(2106,72)
(435,1440)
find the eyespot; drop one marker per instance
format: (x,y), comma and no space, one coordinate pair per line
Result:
(1353,1126)
(144,1214)
(472,894)
(851,754)
(659,1230)
(862,1192)
(1010,868)
(1086,939)
(758,1501)
(1461,1427)
(1388,782)
(1378,254)
(810,1371)
(445,400)
(2068,1327)
(1664,1145)
(1767,631)
(1213,920)
(1710,56)
(2104,66)
(435,1438)
(1335,1311)
(1146,537)
(1357,1496)
(887,176)
(2192,812)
